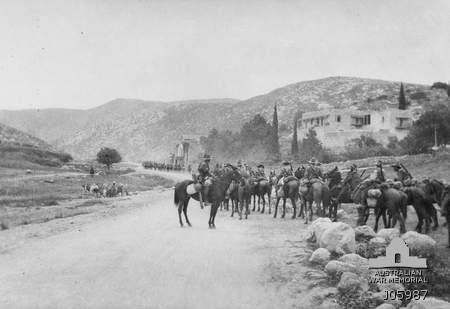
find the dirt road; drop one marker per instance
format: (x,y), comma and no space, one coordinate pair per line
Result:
(143,259)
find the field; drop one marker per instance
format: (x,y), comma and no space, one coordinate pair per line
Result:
(51,193)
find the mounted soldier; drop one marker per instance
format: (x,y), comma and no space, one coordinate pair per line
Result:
(402,174)
(314,171)
(260,173)
(204,175)
(378,174)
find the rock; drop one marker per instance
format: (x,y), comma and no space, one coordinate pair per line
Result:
(429,303)
(338,238)
(378,298)
(389,234)
(361,264)
(321,256)
(316,229)
(319,294)
(385,306)
(376,247)
(420,244)
(351,283)
(364,232)
(330,304)
(361,249)
(336,268)
(28,171)
(341,214)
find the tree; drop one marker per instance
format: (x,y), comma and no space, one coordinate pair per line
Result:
(402,103)
(294,144)
(311,146)
(275,140)
(421,135)
(108,156)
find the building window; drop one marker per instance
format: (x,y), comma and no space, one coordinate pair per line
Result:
(338,118)
(397,258)
(366,120)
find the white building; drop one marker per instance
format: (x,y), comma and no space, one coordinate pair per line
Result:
(336,128)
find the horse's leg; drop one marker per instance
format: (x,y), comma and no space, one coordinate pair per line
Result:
(216,207)
(211,212)
(380,211)
(447,219)
(269,199)
(185,206)
(232,207)
(385,222)
(435,218)
(398,215)
(276,207)
(263,203)
(294,205)
(284,208)
(180,209)
(240,208)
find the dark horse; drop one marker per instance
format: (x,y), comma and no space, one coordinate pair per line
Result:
(262,188)
(333,179)
(215,194)
(445,209)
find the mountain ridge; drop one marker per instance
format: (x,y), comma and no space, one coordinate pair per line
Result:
(142,129)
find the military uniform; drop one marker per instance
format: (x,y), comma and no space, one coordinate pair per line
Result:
(402,175)
(313,171)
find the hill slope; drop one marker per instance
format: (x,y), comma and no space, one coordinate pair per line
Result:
(149,130)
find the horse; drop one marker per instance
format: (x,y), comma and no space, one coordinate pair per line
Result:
(262,188)
(288,190)
(232,194)
(445,209)
(300,172)
(423,206)
(333,179)
(316,192)
(394,202)
(244,192)
(214,191)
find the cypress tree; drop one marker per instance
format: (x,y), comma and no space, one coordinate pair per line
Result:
(275,141)
(402,104)
(294,144)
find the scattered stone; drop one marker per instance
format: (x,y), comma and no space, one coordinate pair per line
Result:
(429,303)
(336,268)
(321,256)
(330,304)
(361,264)
(316,229)
(338,238)
(364,232)
(361,248)
(351,283)
(389,234)
(28,171)
(320,294)
(341,214)
(376,247)
(420,244)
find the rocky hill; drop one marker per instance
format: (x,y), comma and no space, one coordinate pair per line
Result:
(12,136)
(143,130)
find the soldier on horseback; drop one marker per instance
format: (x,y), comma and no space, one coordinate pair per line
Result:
(402,174)
(204,174)
(314,171)
(260,173)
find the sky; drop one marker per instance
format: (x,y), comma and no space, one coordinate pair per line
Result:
(81,54)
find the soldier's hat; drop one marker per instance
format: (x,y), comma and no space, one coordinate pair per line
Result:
(206,157)
(379,164)
(260,166)
(239,163)
(353,166)
(396,165)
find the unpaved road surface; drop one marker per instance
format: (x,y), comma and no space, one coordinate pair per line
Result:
(143,259)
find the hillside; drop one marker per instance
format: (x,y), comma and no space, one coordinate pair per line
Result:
(10,136)
(149,130)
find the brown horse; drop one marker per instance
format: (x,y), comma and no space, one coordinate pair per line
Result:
(289,190)
(316,192)
(213,193)
(262,188)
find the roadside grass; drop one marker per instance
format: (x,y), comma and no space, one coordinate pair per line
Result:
(45,194)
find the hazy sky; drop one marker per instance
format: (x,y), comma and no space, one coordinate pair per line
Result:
(79,54)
